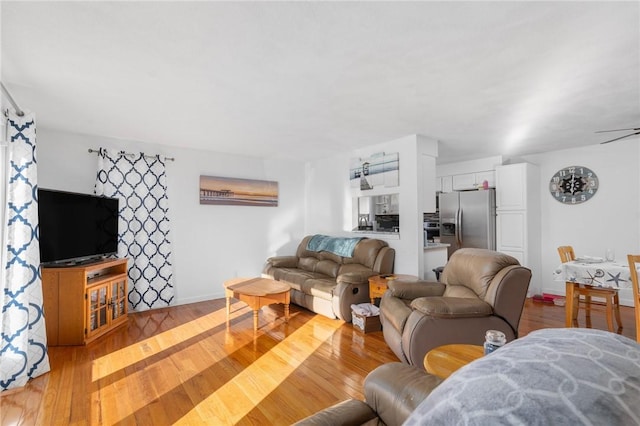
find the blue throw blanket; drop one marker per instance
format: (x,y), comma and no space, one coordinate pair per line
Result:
(341,246)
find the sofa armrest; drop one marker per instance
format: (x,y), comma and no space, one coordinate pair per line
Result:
(351,288)
(452,307)
(355,278)
(394,390)
(283,261)
(508,292)
(349,412)
(415,289)
(393,311)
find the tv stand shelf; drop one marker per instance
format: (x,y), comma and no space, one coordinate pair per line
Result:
(83,302)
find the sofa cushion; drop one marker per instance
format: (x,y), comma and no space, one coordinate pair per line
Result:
(321,266)
(327,267)
(561,376)
(320,255)
(293,276)
(366,252)
(319,287)
(308,263)
(452,307)
(354,276)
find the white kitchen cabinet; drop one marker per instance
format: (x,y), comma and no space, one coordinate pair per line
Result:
(489,176)
(438,184)
(447,183)
(518,230)
(474,180)
(511,230)
(465,181)
(513,185)
(519,256)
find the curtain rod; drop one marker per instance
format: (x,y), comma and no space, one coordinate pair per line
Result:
(19,112)
(91,151)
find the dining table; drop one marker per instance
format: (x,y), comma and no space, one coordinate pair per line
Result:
(592,271)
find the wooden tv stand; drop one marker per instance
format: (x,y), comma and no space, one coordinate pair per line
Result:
(83,302)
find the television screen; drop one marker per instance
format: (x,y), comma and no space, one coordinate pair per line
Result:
(76,227)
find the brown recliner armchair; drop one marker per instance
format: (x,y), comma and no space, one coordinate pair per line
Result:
(479,290)
(528,389)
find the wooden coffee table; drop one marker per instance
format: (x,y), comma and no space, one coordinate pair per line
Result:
(257,292)
(444,360)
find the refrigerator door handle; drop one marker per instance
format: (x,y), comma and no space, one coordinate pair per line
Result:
(459,227)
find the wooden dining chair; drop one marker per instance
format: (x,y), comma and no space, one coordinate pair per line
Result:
(567,255)
(634,262)
(610,295)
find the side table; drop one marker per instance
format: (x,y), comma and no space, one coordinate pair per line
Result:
(444,360)
(378,284)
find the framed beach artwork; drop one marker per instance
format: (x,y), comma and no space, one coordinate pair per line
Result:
(238,192)
(377,170)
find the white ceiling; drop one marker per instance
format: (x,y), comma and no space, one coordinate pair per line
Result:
(307,79)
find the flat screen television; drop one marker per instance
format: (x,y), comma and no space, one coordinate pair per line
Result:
(76,228)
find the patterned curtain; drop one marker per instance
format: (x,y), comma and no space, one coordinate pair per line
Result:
(139,181)
(23,350)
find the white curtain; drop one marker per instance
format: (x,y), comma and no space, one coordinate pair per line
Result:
(23,346)
(139,181)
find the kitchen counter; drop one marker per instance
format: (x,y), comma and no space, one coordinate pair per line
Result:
(379,234)
(431,246)
(435,255)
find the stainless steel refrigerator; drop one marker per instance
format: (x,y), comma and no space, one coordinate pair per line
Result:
(468,219)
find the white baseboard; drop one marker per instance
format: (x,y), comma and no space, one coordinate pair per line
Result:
(202,298)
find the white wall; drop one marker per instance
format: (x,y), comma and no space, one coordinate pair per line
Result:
(329,197)
(471,166)
(213,243)
(210,243)
(609,219)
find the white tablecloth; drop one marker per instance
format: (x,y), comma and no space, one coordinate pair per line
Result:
(602,274)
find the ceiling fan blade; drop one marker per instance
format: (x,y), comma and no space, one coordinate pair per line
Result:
(615,130)
(621,137)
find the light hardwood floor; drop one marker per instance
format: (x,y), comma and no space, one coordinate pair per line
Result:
(184,365)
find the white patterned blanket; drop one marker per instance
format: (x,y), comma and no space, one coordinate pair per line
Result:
(564,376)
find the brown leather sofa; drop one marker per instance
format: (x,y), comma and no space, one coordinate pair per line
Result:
(329,284)
(392,392)
(479,290)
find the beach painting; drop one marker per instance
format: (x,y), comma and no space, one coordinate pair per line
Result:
(238,192)
(378,170)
